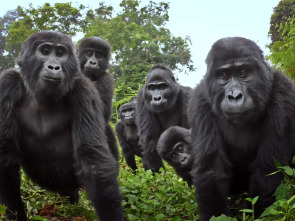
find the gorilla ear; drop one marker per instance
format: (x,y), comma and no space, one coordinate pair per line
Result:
(173,79)
(21,58)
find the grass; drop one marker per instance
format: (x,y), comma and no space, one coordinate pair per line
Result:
(162,196)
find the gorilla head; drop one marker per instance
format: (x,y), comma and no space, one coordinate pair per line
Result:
(94,54)
(127,113)
(238,79)
(161,89)
(48,64)
(174,146)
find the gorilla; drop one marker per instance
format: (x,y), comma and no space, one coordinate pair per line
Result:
(161,103)
(127,133)
(174,146)
(52,125)
(242,116)
(94,55)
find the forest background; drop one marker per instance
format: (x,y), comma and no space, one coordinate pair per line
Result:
(139,38)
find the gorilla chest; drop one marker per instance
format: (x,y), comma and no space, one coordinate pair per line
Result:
(44,129)
(241,144)
(131,134)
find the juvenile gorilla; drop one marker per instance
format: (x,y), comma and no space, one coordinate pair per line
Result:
(242,116)
(161,103)
(94,54)
(127,133)
(174,146)
(51,124)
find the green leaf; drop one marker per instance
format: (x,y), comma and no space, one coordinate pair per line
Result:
(254,200)
(288,170)
(2,209)
(281,192)
(247,210)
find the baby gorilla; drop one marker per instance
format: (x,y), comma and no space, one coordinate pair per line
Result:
(127,133)
(174,146)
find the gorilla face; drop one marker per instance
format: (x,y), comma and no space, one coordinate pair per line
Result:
(161,90)
(180,155)
(48,64)
(127,113)
(94,55)
(237,104)
(238,80)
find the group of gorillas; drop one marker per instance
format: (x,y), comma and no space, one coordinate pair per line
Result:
(221,137)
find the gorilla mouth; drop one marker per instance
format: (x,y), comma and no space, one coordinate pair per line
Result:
(52,79)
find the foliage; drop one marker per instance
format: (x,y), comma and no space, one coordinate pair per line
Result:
(139,39)
(283,52)
(18,25)
(128,93)
(284,10)
(162,196)
(2,211)
(6,59)
(284,207)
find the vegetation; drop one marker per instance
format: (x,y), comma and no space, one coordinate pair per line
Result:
(283,51)
(282,33)
(162,196)
(282,12)
(137,35)
(139,38)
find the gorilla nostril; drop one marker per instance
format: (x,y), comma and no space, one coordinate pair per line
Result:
(92,62)
(56,68)
(235,97)
(157,98)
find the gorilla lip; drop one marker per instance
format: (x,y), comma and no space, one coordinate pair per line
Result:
(53,79)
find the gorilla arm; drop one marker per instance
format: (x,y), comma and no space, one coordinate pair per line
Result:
(149,132)
(11,90)
(97,167)
(126,149)
(209,166)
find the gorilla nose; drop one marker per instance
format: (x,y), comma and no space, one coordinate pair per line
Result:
(235,97)
(54,67)
(158,98)
(92,62)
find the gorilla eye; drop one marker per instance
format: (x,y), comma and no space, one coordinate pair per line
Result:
(151,87)
(89,53)
(179,148)
(46,50)
(244,73)
(162,86)
(99,55)
(60,51)
(224,75)
(173,155)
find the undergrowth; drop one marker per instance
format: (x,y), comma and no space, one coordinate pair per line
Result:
(162,196)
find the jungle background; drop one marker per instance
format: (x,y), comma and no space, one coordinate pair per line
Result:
(139,38)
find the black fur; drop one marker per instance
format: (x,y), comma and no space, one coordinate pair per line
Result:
(152,119)
(95,68)
(127,133)
(174,146)
(51,124)
(239,124)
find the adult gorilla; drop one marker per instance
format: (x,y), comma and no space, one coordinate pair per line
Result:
(94,55)
(51,124)
(161,103)
(242,116)
(127,133)
(174,146)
